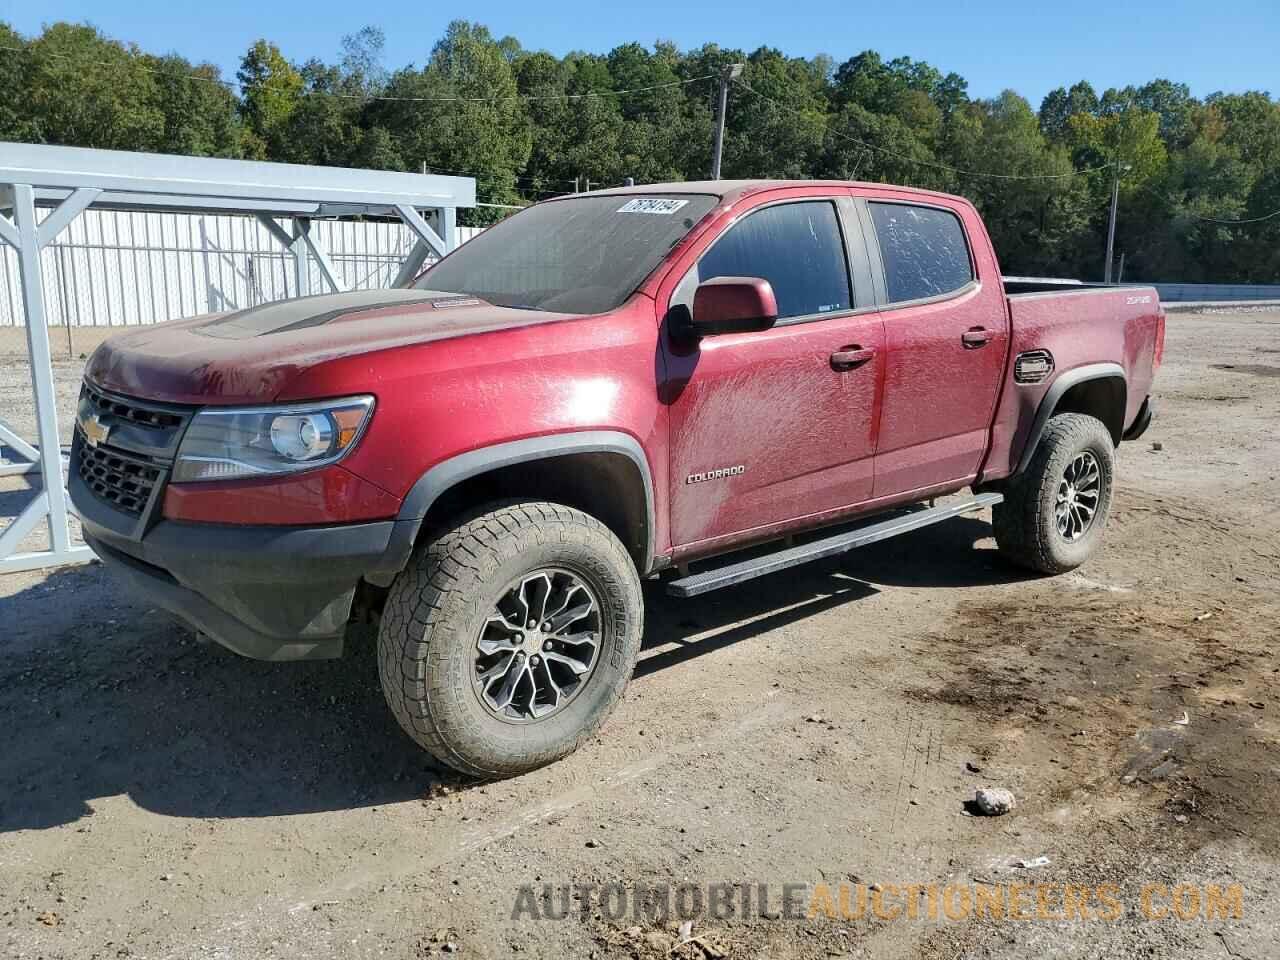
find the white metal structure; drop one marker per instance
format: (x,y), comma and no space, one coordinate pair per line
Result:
(113,268)
(68,180)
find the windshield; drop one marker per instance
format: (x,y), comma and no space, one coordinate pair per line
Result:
(582,255)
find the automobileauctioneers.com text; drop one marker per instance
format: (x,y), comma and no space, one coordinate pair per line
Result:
(1015,902)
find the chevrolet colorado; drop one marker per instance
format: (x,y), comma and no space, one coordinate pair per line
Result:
(602,388)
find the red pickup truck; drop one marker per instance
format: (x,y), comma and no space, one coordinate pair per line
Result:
(603,388)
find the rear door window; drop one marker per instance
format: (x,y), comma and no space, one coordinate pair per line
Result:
(797,247)
(923,249)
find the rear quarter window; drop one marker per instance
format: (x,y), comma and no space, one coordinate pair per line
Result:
(924,251)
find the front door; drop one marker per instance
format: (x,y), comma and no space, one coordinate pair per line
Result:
(778,425)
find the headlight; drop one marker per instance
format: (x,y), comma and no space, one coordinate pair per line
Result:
(257,441)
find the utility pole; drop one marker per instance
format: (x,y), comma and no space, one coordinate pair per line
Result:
(727,75)
(1111,228)
(1121,168)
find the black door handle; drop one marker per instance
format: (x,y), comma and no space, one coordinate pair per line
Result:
(975,337)
(847,358)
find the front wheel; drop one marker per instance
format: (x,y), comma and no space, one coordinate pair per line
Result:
(508,640)
(1054,512)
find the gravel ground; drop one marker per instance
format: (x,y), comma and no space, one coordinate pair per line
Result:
(159,798)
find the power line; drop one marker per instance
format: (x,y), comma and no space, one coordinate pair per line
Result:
(114,63)
(926,163)
(1173,201)
(496,177)
(234,85)
(1275,213)
(490,181)
(595,95)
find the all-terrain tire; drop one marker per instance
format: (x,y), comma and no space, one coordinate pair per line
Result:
(436,611)
(1026,525)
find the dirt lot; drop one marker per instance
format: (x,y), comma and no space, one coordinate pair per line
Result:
(159,798)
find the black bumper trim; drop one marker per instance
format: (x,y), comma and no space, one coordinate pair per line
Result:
(165,592)
(1141,421)
(270,593)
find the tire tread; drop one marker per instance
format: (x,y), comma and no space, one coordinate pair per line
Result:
(1018,525)
(431,589)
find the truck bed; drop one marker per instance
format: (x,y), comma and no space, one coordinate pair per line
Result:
(1077,323)
(1014,286)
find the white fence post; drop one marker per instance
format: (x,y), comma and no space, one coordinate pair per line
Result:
(27,236)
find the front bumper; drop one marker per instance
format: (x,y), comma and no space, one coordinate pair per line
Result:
(270,593)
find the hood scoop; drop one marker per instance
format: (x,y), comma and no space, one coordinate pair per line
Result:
(444,303)
(288,315)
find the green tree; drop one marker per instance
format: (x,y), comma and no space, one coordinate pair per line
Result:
(270,88)
(200,112)
(362,69)
(1175,105)
(527,124)
(468,115)
(1251,122)
(16,122)
(1035,220)
(1060,105)
(781,136)
(324,125)
(83,89)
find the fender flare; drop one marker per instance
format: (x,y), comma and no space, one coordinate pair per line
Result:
(449,473)
(1049,403)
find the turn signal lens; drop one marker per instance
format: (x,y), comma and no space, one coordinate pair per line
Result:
(349,422)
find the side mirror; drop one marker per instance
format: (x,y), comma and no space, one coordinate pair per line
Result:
(733,305)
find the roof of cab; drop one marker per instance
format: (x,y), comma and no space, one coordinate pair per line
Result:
(733,190)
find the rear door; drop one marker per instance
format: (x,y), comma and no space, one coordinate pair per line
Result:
(946,337)
(774,426)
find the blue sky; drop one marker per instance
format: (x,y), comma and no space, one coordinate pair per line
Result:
(1027,45)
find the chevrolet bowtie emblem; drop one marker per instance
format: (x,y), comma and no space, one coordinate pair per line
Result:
(95,431)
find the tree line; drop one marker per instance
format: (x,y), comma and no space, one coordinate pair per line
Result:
(529,125)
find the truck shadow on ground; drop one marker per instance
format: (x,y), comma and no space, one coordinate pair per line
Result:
(943,555)
(102,696)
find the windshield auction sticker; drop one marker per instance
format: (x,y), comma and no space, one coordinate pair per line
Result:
(652,205)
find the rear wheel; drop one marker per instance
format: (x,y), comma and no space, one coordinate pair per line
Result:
(508,640)
(1053,514)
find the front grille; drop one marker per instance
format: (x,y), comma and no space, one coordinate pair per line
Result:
(124,482)
(121,407)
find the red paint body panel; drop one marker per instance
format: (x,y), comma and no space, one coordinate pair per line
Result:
(437,400)
(177,363)
(1083,327)
(770,402)
(315,498)
(923,416)
(938,393)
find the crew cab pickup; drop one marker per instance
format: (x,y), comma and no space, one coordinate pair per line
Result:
(602,388)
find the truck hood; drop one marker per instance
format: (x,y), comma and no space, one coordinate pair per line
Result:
(250,355)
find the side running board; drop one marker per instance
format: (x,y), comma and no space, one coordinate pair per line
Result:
(726,576)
